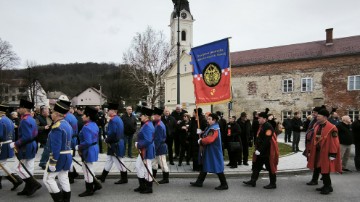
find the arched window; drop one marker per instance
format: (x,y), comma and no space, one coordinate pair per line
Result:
(183,36)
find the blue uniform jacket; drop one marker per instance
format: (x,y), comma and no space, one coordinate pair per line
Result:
(212,158)
(160,138)
(88,146)
(26,144)
(146,140)
(115,136)
(59,139)
(6,133)
(72,120)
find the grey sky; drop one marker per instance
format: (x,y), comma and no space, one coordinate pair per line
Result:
(66,31)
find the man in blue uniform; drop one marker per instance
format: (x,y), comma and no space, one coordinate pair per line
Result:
(145,145)
(160,146)
(115,140)
(71,119)
(59,142)
(7,135)
(89,150)
(26,148)
(212,156)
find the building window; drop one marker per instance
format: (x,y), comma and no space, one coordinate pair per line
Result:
(6,98)
(13,98)
(21,90)
(305,114)
(6,89)
(285,114)
(306,85)
(354,82)
(353,113)
(288,85)
(183,36)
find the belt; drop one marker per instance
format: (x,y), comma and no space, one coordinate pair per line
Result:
(74,136)
(66,152)
(94,143)
(6,142)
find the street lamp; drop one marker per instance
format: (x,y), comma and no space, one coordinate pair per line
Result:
(178,52)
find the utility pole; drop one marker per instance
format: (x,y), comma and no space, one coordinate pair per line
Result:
(178,52)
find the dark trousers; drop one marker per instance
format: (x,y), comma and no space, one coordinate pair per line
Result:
(169,142)
(177,144)
(296,140)
(287,135)
(257,167)
(100,140)
(357,156)
(316,174)
(184,148)
(245,151)
(45,155)
(128,140)
(234,157)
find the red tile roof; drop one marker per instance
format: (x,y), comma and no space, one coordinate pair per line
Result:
(302,51)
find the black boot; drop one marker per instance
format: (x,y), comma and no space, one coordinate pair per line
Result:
(223,183)
(254,177)
(200,180)
(57,197)
(103,175)
(97,185)
(17,182)
(0,182)
(272,184)
(124,178)
(327,185)
(66,196)
(89,190)
(26,187)
(315,177)
(165,179)
(154,173)
(141,185)
(148,188)
(34,185)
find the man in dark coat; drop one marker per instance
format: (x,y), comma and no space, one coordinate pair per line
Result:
(288,129)
(356,134)
(297,127)
(129,129)
(234,134)
(170,124)
(178,114)
(246,137)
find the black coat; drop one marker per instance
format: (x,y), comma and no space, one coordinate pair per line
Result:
(296,124)
(356,131)
(170,124)
(129,124)
(245,131)
(345,134)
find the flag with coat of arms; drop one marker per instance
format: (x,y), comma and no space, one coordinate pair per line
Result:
(211,72)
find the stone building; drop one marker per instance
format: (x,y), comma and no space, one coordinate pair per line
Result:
(298,77)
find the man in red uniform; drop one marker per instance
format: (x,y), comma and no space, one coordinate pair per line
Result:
(324,155)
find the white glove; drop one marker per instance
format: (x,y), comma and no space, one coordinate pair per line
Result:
(12,145)
(136,143)
(331,158)
(77,147)
(199,140)
(198,131)
(52,168)
(257,153)
(104,140)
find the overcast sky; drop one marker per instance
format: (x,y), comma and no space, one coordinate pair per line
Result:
(67,31)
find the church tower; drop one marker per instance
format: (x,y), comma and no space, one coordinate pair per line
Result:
(186,26)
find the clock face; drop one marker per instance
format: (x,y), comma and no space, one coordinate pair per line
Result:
(183,15)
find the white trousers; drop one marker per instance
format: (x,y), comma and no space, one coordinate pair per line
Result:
(141,170)
(51,185)
(110,160)
(161,159)
(87,176)
(2,172)
(29,164)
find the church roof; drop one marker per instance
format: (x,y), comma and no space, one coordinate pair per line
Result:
(184,5)
(301,51)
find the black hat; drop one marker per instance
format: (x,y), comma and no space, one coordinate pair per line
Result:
(61,107)
(214,116)
(158,111)
(3,108)
(243,114)
(333,110)
(26,104)
(113,106)
(324,112)
(90,111)
(199,110)
(317,109)
(80,107)
(146,111)
(68,103)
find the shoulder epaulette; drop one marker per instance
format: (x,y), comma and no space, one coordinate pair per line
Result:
(56,125)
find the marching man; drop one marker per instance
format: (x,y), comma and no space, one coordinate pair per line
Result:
(145,145)
(160,146)
(59,141)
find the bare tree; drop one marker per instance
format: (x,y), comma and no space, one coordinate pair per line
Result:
(8,57)
(147,57)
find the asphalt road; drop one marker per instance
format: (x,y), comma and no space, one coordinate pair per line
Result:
(290,188)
